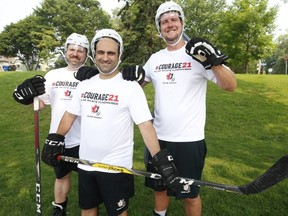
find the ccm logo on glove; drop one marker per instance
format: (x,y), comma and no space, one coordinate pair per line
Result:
(54,147)
(54,143)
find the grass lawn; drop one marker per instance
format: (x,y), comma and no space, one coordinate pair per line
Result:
(246,132)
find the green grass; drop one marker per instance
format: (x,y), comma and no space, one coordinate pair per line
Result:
(246,132)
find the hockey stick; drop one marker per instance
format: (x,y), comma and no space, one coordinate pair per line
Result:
(37,156)
(274,175)
(185,37)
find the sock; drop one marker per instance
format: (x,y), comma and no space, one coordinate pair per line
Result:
(61,205)
(161,213)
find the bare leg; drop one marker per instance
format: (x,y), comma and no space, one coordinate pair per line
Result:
(125,213)
(89,212)
(161,200)
(62,188)
(193,207)
(93,212)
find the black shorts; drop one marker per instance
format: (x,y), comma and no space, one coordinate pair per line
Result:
(64,168)
(112,189)
(189,159)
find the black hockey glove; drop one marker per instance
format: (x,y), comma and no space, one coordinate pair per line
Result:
(163,162)
(134,72)
(85,72)
(30,88)
(54,147)
(204,52)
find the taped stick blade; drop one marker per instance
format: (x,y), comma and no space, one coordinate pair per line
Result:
(275,174)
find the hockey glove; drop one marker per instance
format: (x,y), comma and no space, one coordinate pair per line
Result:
(30,88)
(204,52)
(163,162)
(134,72)
(85,72)
(53,147)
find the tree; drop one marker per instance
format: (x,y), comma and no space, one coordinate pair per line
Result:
(202,17)
(280,54)
(139,31)
(247,28)
(36,37)
(24,40)
(68,16)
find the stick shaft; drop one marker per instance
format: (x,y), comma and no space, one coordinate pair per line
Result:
(182,180)
(37,156)
(275,174)
(186,37)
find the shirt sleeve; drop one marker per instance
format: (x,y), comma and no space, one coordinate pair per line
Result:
(138,105)
(46,96)
(75,105)
(147,71)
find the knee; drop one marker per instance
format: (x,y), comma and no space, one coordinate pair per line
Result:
(64,178)
(192,201)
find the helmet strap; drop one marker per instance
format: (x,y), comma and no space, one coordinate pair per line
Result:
(112,71)
(173,44)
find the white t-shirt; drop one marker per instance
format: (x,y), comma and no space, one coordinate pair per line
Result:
(108,109)
(180,85)
(60,86)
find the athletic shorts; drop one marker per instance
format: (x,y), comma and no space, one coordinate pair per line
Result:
(64,168)
(189,159)
(112,189)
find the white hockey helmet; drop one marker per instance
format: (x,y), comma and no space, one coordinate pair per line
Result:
(110,33)
(77,39)
(166,7)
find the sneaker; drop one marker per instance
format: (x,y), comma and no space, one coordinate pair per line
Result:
(58,210)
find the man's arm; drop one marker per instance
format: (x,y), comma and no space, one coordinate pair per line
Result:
(226,78)
(55,142)
(144,84)
(161,159)
(66,123)
(210,57)
(149,136)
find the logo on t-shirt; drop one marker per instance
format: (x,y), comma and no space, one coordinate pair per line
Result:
(95,109)
(65,84)
(170,77)
(67,93)
(178,66)
(100,98)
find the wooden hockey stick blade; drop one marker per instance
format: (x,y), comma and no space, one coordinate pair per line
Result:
(275,174)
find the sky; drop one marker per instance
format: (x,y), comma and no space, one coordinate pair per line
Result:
(14,10)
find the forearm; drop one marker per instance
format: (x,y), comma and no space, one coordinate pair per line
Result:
(149,136)
(144,84)
(226,78)
(41,105)
(66,123)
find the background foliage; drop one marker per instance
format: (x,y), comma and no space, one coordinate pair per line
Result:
(244,30)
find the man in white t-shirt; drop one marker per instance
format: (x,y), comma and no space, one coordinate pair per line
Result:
(109,106)
(180,84)
(58,91)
